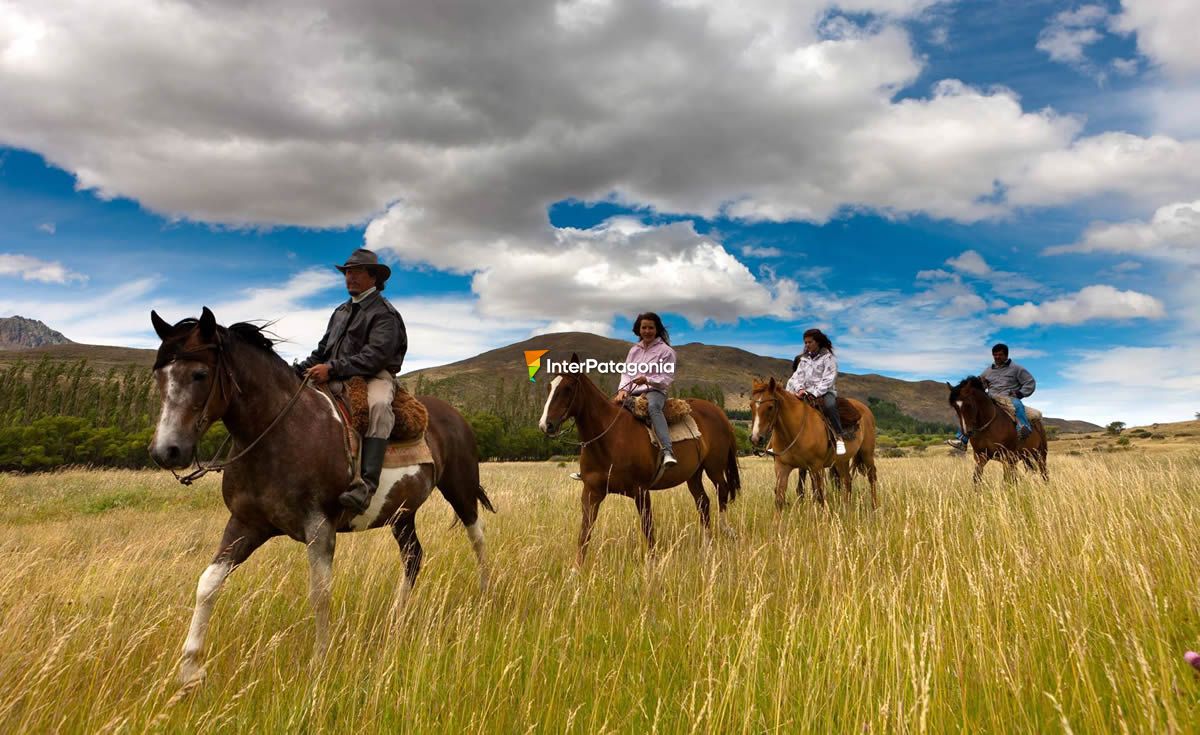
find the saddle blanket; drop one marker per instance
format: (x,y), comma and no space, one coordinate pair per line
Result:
(1005,403)
(674,411)
(406,454)
(682,430)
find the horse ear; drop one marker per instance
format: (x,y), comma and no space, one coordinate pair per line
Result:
(208,324)
(949,386)
(574,357)
(161,328)
(771,384)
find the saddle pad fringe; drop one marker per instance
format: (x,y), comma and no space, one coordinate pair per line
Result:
(674,411)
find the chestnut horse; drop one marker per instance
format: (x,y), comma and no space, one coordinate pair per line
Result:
(993,435)
(799,440)
(289,463)
(617,457)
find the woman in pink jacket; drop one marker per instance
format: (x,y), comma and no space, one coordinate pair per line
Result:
(652,350)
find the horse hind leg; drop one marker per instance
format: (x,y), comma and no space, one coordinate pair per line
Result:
(465,495)
(238,542)
(405,532)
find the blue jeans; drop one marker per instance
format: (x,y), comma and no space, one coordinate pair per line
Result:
(656,400)
(1022,419)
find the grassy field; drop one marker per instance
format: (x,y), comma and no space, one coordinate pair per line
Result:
(1029,608)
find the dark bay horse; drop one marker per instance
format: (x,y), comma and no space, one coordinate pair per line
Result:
(800,441)
(617,457)
(288,480)
(992,434)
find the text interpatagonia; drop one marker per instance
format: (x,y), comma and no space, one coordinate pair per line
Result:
(592,365)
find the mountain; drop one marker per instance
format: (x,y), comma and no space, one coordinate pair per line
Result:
(17,333)
(732,369)
(477,380)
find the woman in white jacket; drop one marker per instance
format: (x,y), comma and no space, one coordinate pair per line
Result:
(815,374)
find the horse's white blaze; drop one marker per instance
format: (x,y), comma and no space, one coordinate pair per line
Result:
(174,403)
(961,421)
(546,409)
(754,427)
(206,595)
(388,479)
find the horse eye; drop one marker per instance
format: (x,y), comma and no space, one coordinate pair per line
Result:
(199,375)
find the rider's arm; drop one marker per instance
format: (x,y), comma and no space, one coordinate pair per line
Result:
(827,376)
(1026,384)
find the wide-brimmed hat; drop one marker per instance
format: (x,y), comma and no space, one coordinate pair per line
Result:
(368,259)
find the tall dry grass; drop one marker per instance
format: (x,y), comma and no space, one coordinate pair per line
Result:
(1032,608)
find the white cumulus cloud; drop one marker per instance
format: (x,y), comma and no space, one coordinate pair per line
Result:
(29,268)
(1089,303)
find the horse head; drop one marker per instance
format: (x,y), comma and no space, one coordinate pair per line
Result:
(561,398)
(188,372)
(764,407)
(967,399)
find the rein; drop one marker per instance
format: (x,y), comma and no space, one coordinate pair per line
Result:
(583,444)
(977,429)
(203,422)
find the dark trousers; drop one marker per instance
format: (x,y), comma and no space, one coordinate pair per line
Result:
(829,404)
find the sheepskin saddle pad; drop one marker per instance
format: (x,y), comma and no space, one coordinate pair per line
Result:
(1006,405)
(675,410)
(411,415)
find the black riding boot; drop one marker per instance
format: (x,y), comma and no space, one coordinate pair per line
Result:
(358,498)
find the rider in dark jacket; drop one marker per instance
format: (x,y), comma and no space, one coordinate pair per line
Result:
(365,338)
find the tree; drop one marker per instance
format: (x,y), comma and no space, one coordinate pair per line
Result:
(1115,428)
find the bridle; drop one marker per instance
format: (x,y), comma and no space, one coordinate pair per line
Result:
(771,428)
(223,374)
(972,432)
(568,414)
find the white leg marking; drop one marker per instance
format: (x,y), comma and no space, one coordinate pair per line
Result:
(546,409)
(475,533)
(206,595)
(388,479)
(320,581)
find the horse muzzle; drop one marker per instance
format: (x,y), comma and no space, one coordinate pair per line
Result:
(172,455)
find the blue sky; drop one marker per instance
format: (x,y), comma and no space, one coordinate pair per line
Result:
(918,178)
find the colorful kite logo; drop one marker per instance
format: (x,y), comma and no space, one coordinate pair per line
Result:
(533,359)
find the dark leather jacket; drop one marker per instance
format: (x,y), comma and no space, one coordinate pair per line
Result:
(361,339)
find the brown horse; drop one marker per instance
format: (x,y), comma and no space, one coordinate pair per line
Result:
(618,458)
(799,440)
(993,435)
(290,463)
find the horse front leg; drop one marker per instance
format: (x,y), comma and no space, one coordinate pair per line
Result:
(818,484)
(782,473)
(642,499)
(980,460)
(320,537)
(238,542)
(590,502)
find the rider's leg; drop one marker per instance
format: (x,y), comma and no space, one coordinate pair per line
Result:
(1023,420)
(381,389)
(656,400)
(829,404)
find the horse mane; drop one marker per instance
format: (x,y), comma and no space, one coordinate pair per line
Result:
(252,335)
(973,381)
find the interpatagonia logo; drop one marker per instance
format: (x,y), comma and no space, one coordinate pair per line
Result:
(533,360)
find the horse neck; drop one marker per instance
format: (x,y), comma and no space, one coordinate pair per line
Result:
(594,413)
(797,414)
(262,390)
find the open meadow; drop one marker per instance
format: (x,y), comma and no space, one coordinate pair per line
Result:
(1029,608)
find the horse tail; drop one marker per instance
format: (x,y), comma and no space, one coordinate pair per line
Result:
(483,499)
(733,478)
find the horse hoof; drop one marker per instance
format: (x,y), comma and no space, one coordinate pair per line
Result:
(191,676)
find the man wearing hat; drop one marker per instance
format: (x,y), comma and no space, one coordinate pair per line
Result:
(365,338)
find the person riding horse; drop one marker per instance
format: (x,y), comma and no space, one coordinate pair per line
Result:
(1005,378)
(653,351)
(365,337)
(815,374)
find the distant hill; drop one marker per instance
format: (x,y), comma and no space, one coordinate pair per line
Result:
(475,380)
(732,369)
(18,333)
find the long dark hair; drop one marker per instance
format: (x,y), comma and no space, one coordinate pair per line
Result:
(658,326)
(820,338)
